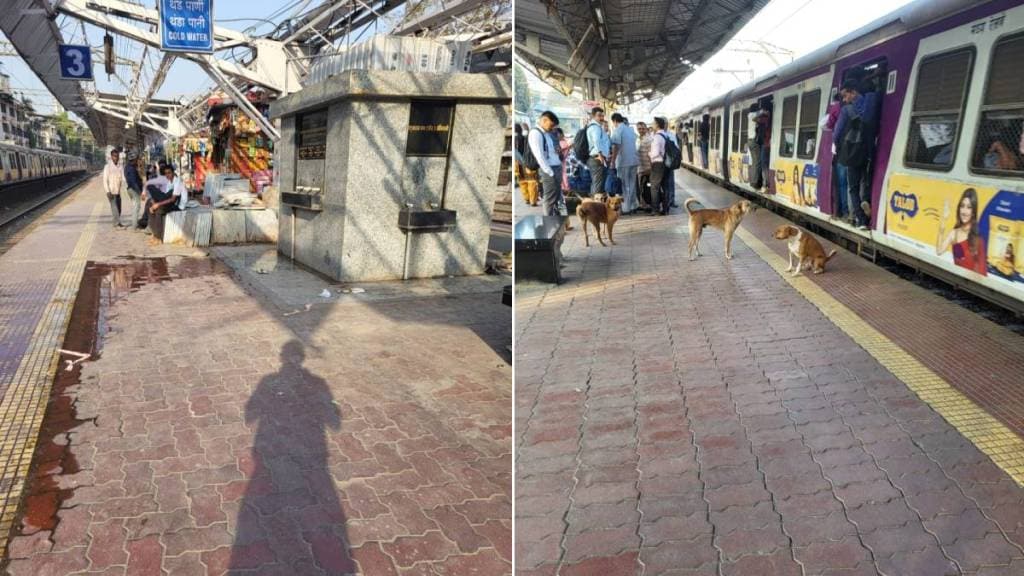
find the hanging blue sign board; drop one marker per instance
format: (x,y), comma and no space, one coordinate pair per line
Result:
(186,25)
(75,62)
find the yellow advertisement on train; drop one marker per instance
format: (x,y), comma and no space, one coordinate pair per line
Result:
(977,228)
(739,167)
(797,181)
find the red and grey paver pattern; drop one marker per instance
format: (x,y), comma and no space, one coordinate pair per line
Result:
(216,435)
(679,417)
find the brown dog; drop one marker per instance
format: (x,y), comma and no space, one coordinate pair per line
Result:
(597,212)
(805,248)
(725,219)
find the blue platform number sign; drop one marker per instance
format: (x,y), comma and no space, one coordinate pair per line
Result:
(186,25)
(75,62)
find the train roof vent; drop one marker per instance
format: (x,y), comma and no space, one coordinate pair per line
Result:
(766,82)
(1005,82)
(941,81)
(869,38)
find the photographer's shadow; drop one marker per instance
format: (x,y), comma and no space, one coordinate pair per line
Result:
(291,512)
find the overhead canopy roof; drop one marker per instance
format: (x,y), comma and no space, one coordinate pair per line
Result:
(35,36)
(624,50)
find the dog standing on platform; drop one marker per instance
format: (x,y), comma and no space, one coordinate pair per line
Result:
(805,248)
(725,219)
(597,212)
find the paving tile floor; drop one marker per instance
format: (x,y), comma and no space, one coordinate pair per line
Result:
(219,433)
(677,417)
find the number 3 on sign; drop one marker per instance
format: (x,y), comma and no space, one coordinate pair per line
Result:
(75,62)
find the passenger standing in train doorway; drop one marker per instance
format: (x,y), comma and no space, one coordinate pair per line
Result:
(842,210)
(855,132)
(113,184)
(763,138)
(703,134)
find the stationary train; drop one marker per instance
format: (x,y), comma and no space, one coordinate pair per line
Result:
(947,177)
(19,164)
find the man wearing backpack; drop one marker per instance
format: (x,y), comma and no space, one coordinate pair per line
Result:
(661,166)
(599,148)
(855,137)
(542,155)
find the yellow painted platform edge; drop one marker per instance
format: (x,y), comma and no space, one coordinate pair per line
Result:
(989,435)
(34,379)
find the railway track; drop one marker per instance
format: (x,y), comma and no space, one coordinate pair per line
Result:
(19,199)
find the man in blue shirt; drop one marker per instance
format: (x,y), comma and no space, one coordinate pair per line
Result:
(625,160)
(600,150)
(865,107)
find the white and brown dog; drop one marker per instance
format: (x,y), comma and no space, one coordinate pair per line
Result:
(804,248)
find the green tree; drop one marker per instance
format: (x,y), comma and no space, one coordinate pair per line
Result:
(524,100)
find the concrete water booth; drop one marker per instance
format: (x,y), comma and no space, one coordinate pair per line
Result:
(388,175)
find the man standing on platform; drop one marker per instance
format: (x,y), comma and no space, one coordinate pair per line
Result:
(644,152)
(600,149)
(549,163)
(134,181)
(624,156)
(113,183)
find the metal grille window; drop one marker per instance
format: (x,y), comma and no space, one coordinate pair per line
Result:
(743,129)
(939,98)
(735,129)
(807,134)
(999,143)
(788,141)
(713,133)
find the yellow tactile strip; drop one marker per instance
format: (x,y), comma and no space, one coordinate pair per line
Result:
(24,405)
(989,435)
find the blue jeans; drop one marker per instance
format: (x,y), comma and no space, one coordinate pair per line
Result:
(704,154)
(842,204)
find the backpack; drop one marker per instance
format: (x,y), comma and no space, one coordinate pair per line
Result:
(529,160)
(853,150)
(580,145)
(672,155)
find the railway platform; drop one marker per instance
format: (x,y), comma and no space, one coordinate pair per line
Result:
(236,413)
(719,417)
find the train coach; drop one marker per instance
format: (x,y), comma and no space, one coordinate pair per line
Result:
(947,176)
(19,164)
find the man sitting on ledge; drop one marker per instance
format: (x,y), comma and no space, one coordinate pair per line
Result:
(165,193)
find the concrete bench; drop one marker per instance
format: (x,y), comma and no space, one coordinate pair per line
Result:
(538,248)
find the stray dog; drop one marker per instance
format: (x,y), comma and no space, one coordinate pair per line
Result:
(805,248)
(725,219)
(597,212)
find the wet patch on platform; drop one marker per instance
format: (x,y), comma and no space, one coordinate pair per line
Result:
(53,462)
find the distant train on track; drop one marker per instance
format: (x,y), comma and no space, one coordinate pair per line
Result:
(947,176)
(19,164)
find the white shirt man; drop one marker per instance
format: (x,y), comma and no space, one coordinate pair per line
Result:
(545,150)
(113,184)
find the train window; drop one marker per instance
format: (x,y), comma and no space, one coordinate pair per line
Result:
(807,134)
(999,143)
(788,141)
(939,97)
(744,127)
(735,131)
